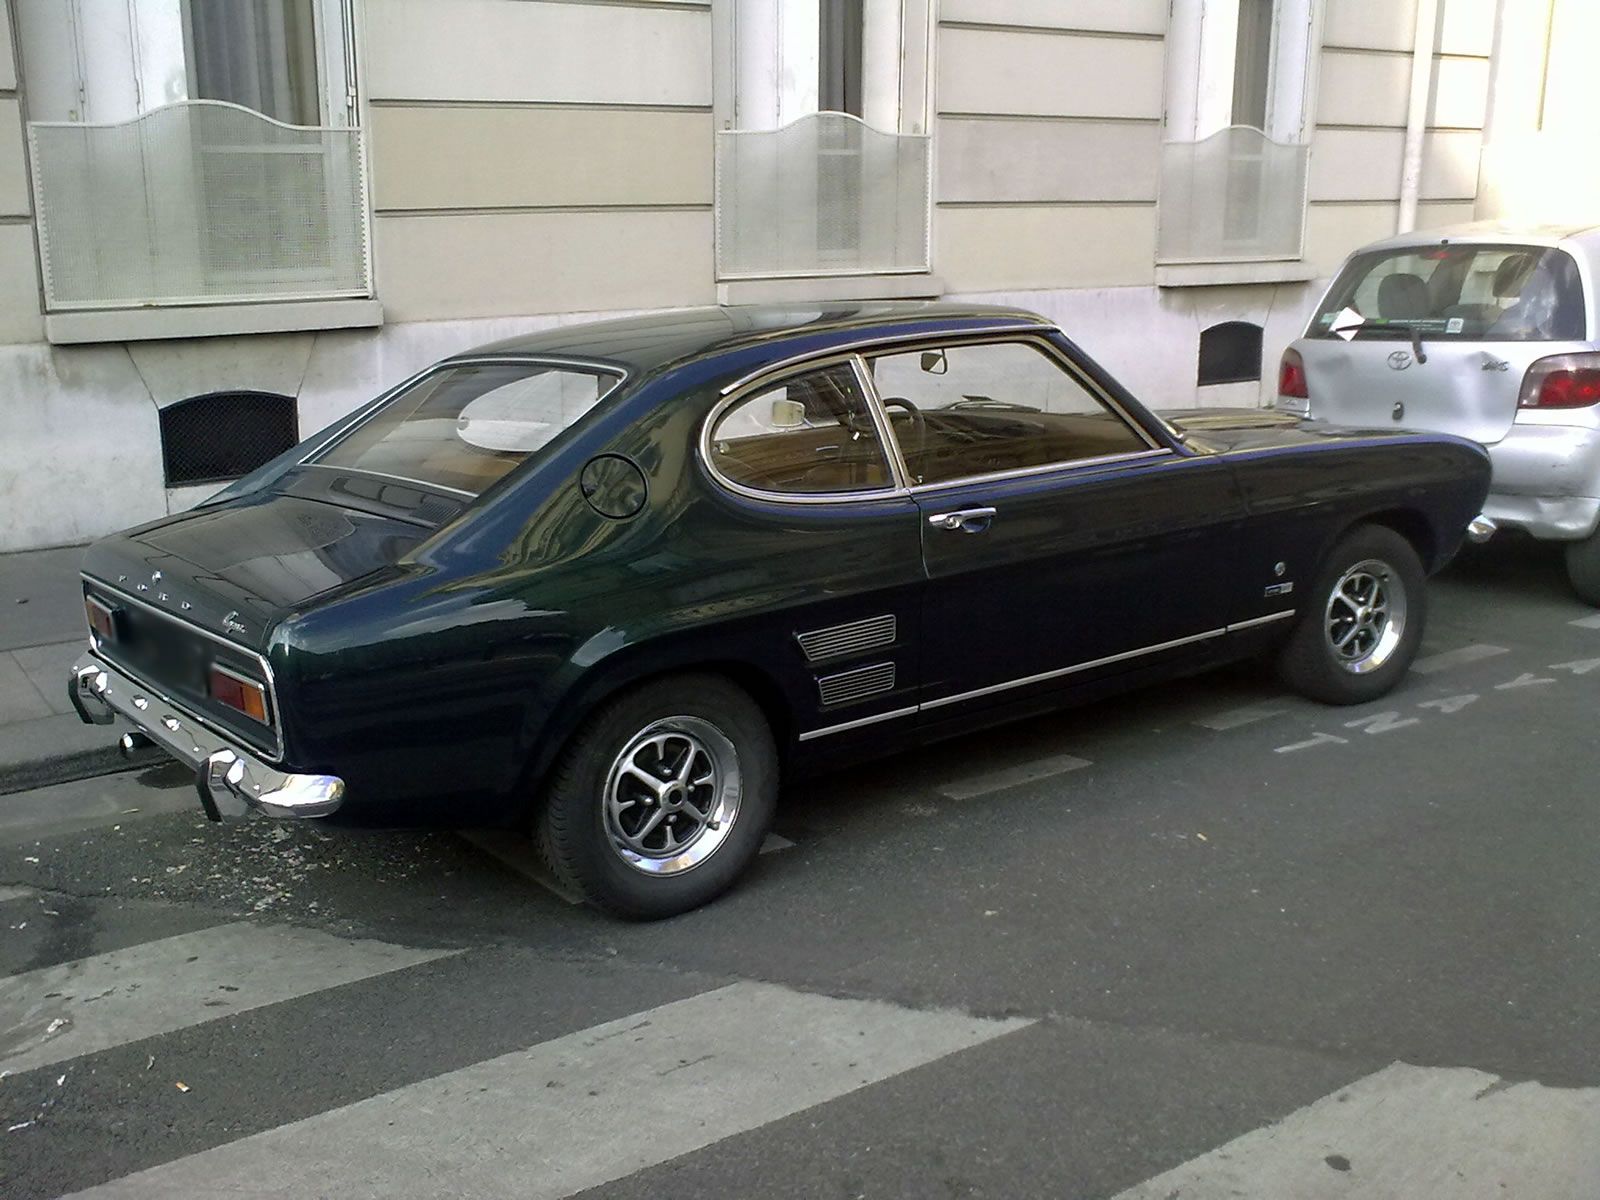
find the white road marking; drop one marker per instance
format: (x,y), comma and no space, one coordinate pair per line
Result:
(1029,772)
(55,1013)
(1456,658)
(1234,718)
(522,856)
(14,893)
(1587,622)
(1408,1131)
(1581,667)
(775,842)
(1524,680)
(584,1109)
(1316,739)
(1383,722)
(1451,704)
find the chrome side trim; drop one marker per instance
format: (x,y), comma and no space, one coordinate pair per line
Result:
(1081,464)
(1266,620)
(856,684)
(1073,670)
(1207,636)
(857,723)
(1024,323)
(842,641)
(260,660)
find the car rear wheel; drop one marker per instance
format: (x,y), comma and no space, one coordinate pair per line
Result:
(1583,568)
(662,799)
(1362,622)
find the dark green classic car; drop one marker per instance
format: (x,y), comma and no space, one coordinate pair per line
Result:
(615,581)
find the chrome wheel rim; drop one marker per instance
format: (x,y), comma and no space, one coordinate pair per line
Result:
(1365,618)
(672,795)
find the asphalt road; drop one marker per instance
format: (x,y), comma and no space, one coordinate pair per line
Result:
(1203,941)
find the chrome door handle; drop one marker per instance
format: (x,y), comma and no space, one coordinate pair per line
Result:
(967,520)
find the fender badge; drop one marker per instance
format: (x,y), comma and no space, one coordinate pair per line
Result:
(1278,589)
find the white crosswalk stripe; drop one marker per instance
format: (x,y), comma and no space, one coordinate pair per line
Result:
(1408,1131)
(57,1013)
(1435,663)
(583,1109)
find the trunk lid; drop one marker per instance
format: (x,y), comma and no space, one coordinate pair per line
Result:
(234,570)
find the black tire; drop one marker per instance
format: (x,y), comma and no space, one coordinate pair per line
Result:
(1310,664)
(1583,568)
(589,850)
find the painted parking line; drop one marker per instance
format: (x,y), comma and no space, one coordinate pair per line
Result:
(1235,718)
(1408,1131)
(585,1109)
(14,893)
(55,1013)
(1587,622)
(1456,658)
(1009,777)
(775,842)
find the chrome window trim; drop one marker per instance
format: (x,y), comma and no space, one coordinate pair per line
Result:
(1081,464)
(260,659)
(896,490)
(375,406)
(1044,676)
(1020,325)
(405,479)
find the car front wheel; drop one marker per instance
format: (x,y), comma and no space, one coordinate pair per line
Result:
(1362,623)
(662,799)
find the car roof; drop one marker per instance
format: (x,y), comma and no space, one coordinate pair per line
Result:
(643,344)
(1491,232)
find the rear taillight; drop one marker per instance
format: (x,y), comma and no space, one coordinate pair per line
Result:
(1562,381)
(102,619)
(237,692)
(1292,376)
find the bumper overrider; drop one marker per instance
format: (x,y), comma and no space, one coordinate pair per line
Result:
(230,779)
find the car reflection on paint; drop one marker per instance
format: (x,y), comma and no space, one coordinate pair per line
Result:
(615,582)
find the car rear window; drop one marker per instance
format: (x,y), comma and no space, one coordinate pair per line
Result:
(463,427)
(1501,293)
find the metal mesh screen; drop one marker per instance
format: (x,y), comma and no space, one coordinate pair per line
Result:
(199,202)
(1236,195)
(826,195)
(225,435)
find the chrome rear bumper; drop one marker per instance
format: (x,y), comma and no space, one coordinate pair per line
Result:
(230,779)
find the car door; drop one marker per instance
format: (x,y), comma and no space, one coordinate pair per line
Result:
(1060,539)
(1479,314)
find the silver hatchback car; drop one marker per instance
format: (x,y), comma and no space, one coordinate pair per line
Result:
(1485,331)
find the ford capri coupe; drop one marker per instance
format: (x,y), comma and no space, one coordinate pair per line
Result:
(615,582)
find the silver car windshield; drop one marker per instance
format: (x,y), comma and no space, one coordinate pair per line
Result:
(465,426)
(1501,293)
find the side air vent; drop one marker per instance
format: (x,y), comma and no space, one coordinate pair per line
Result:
(842,641)
(856,684)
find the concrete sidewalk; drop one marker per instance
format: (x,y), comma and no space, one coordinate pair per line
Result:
(41,631)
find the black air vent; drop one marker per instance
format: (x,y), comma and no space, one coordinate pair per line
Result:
(223,435)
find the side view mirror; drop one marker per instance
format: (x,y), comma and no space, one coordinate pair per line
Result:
(934,362)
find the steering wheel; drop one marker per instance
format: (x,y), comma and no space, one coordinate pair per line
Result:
(911,444)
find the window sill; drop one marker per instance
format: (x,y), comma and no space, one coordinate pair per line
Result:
(813,288)
(211,320)
(1219,274)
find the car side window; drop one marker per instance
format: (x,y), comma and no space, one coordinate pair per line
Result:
(810,434)
(968,410)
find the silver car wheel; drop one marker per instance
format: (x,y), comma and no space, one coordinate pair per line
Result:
(1365,620)
(672,795)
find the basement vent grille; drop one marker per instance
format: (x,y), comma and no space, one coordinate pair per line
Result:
(223,435)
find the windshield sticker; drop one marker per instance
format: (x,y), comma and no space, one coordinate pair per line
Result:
(1457,324)
(1347,323)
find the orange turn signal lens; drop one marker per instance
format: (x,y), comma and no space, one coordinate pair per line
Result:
(237,692)
(101,619)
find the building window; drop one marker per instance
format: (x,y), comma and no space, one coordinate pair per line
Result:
(224,435)
(1233,172)
(191,152)
(823,157)
(1230,353)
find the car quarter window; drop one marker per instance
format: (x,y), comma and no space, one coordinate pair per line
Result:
(979,409)
(810,434)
